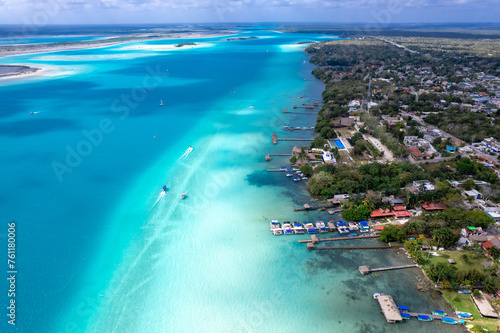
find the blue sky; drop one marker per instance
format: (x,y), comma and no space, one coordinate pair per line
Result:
(43,12)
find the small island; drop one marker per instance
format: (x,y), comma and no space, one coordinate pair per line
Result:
(305,42)
(12,70)
(185,44)
(242,38)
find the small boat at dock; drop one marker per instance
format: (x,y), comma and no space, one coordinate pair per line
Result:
(353,226)
(289,175)
(439,313)
(287,228)
(450,321)
(298,228)
(275,225)
(405,315)
(331,226)
(296,179)
(311,229)
(377,295)
(424,318)
(403,308)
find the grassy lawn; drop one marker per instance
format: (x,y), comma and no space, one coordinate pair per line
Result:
(474,262)
(463,302)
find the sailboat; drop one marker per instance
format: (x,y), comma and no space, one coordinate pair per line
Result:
(161,102)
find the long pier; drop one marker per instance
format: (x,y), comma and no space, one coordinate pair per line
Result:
(288,139)
(336,239)
(366,270)
(310,246)
(307,207)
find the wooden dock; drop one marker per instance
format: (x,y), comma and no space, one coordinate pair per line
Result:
(366,270)
(310,246)
(289,139)
(336,239)
(392,313)
(389,309)
(307,207)
(274,138)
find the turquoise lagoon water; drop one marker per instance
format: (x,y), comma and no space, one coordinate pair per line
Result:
(97,250)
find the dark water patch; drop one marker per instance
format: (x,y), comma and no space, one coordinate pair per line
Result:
(35,126)
(261,178)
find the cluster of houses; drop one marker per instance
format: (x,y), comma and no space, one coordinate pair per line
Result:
(420,148)
(488,146)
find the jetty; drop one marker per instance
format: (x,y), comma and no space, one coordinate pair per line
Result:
(389,309)
(364,270)
(334,239)
(289,139)
(392,313)
(310,246)
(268,156)
(308,207)
(274,138)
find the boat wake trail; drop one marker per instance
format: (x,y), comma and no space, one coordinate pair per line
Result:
(187,152)
(162,194)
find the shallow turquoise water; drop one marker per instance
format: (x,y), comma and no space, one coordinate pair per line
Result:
(107,257)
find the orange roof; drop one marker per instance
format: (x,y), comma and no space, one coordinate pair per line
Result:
(488,245)
(381,213)
(433,206)
(379,227)
(402,213)
(396,208)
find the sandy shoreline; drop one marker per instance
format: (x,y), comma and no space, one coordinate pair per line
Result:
(15,50)
(20,71)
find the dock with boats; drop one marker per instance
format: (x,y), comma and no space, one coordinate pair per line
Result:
(394,313)
(364,270)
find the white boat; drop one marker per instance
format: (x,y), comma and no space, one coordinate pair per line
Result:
(296,179)
(353,226)
(377,295)
(277,232)
(298,228)
(287,228)
(304,178)
(275,225)
(289,175)
(161,102)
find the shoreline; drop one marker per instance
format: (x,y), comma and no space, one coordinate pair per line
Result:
(24,49)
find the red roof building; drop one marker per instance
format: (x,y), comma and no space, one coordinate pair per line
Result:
(379,213)
(417,154)
(432,206)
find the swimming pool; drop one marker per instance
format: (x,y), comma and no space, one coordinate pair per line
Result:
(339,144)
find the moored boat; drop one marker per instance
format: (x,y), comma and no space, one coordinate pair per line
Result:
(405,315)
(424,318)
(289,175)
(353,226)
(439,313)
(298,228)
(287,228)
(450,321)
(275,225)
(403,308)
(377,295)
(296,179)
(277,232)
